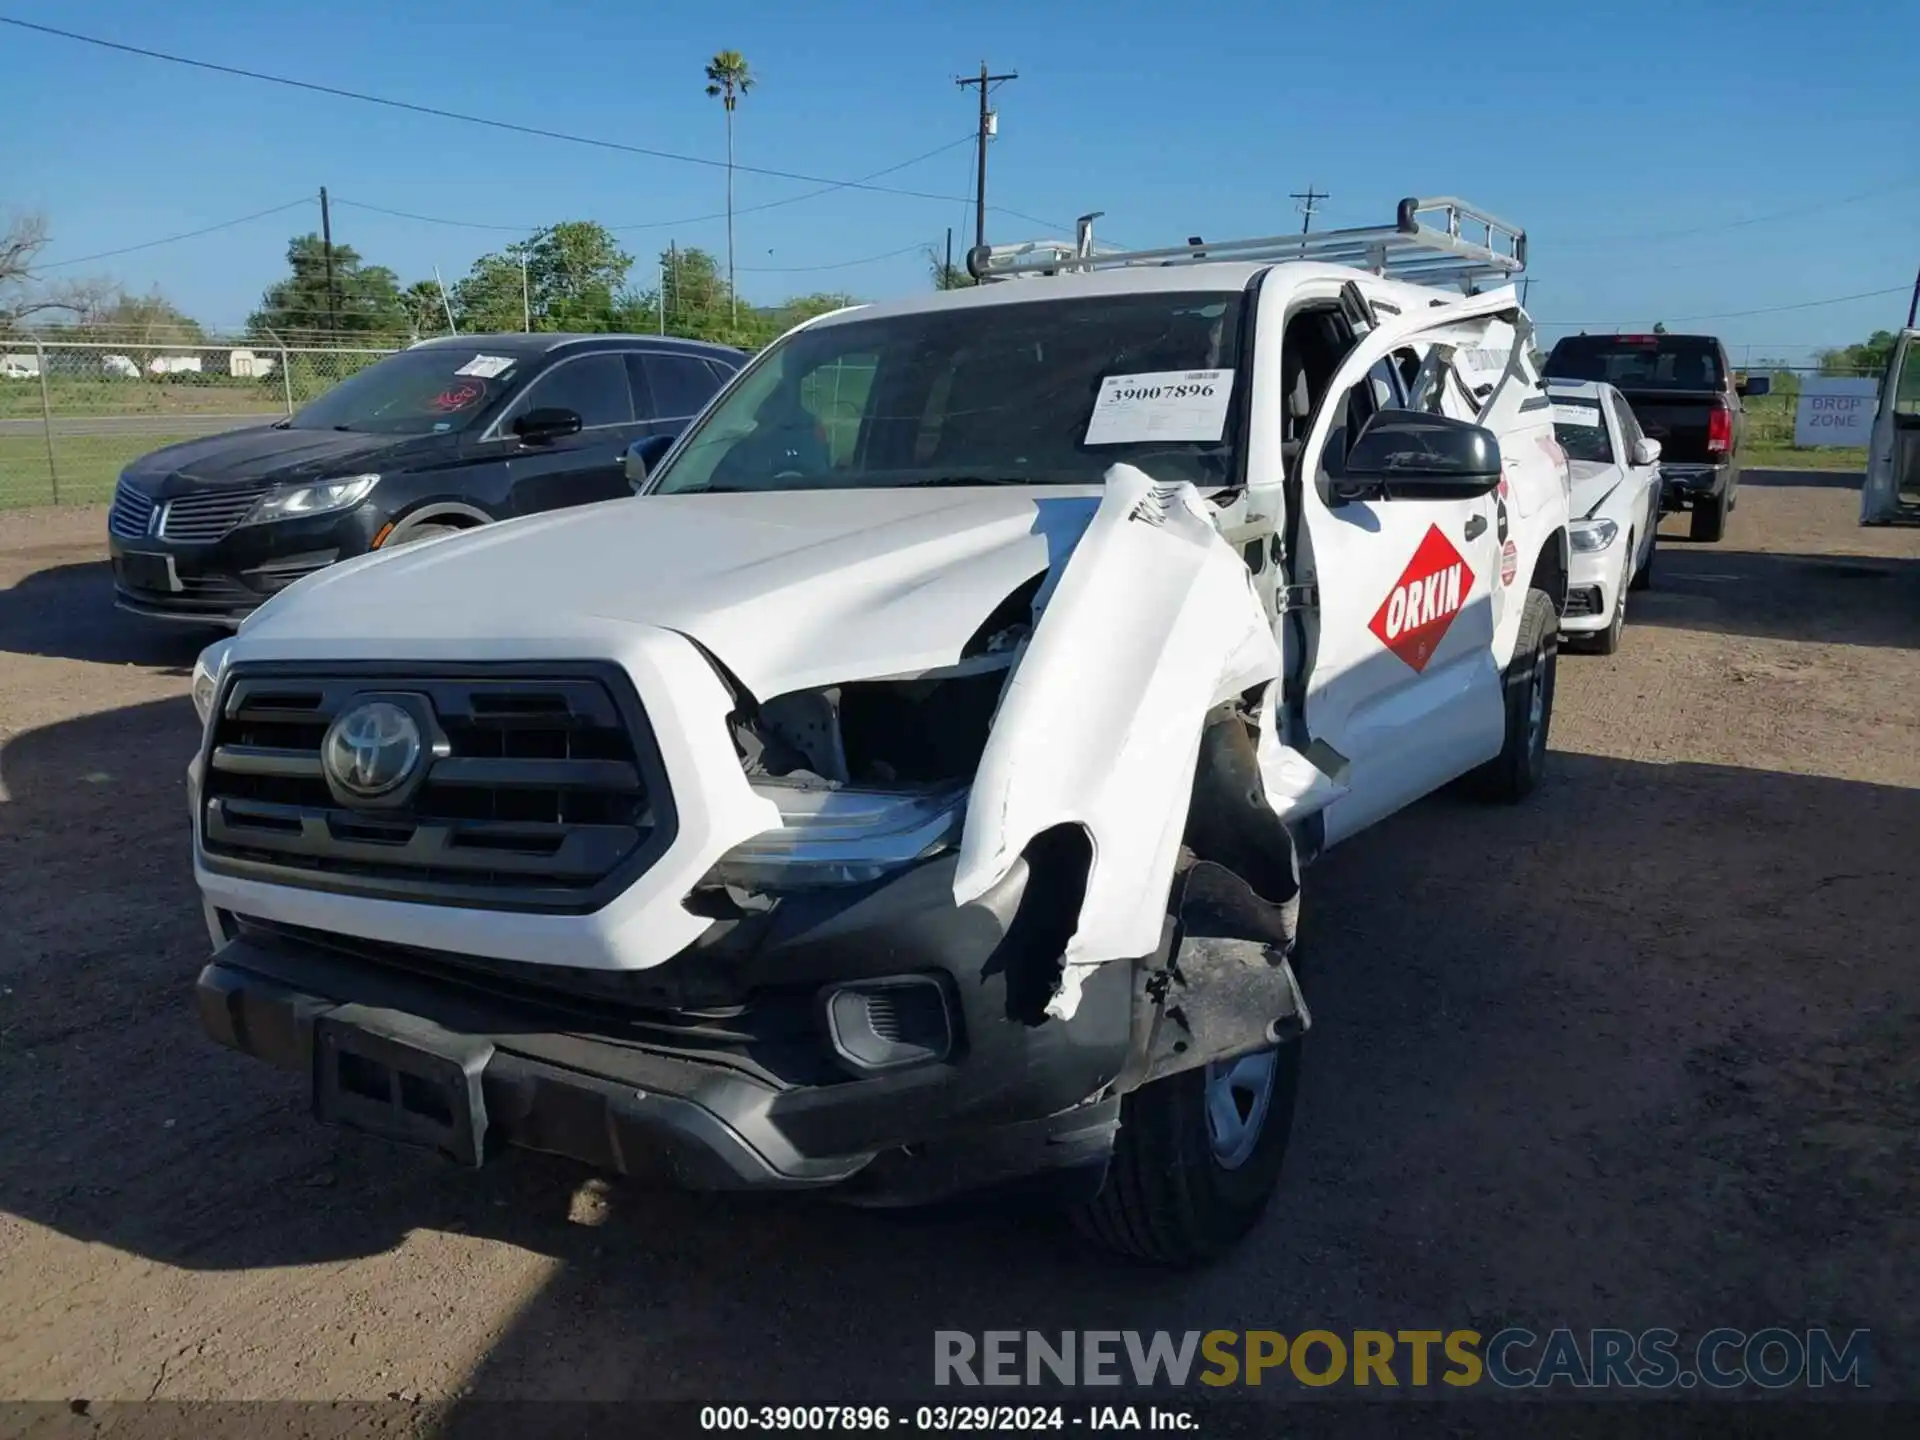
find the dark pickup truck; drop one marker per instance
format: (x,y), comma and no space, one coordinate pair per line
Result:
(1686,396)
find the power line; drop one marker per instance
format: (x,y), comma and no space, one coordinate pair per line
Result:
(917,246)
(659,224)
(442,114)
(1817,207)
(187,235)
(1742,314)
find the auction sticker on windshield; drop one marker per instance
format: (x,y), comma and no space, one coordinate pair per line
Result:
(1164,405)
(486,367)
(1565,414)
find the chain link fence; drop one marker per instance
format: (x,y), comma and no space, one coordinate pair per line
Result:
(1770,418)
(74,413)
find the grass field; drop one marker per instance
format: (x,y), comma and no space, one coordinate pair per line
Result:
(88,465)
(20,399)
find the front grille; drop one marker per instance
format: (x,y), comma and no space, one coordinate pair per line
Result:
(131,514)
(547,793)
(1581,600)
(204,518)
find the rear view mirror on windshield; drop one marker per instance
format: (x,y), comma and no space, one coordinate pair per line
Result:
(1410,455)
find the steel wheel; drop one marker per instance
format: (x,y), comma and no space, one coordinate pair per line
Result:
(1238,1093)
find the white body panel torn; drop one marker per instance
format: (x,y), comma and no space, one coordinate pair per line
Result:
(1153,621)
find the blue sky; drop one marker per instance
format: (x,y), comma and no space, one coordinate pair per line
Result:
(1594,126)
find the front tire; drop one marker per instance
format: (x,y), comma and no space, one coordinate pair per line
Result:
(426,530)
(1643,578)
(1197,1159)
(1607,641)
(1515,772)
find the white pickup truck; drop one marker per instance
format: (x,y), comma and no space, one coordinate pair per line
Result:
(1892,488)
(905,795)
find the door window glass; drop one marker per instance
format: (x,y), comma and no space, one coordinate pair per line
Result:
(681,384)
(594,387)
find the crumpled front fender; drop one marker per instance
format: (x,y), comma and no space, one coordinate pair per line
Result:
(1150,624)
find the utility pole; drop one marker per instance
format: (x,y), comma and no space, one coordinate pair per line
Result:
(946,275)
(326,246)
(1913,306)
(987,127)
(1311,197)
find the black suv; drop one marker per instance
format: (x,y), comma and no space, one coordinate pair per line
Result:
(445,435)
(1685,394)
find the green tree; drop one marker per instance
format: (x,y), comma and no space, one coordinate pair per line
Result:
(488,297)
(946,276)
(728,79)
(571,276)
(1659,327)
(424,308)
(804,307)
(1870,357)
(151,319)
(694,297)
(363,301)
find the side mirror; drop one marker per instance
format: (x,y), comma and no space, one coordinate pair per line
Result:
(1645,451)
(544,423)
(1755,386)
(1407,455)
(643,455)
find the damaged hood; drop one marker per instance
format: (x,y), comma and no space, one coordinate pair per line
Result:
(789,590)
(1593,482)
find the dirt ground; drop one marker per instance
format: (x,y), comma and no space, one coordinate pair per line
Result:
(1641,1052)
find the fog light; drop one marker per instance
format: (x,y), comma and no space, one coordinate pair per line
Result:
(889,1024)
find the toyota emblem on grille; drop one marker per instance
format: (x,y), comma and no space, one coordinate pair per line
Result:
(372,749)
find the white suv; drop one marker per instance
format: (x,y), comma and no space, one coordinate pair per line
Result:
(906,794)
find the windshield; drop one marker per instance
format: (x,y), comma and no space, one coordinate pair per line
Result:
(1639,362)
(1044,392)
(1581,429)
(417,392)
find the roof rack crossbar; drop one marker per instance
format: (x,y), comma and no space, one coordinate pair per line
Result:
(1440,239)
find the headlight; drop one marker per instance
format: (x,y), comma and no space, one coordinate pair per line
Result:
(342,494)
(842,837)
(1593,534)
(206,677)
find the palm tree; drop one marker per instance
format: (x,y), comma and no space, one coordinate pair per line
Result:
(728,78)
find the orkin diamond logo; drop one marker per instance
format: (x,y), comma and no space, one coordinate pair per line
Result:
(1429,593)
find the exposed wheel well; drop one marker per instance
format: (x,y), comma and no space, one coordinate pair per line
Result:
(1550,571)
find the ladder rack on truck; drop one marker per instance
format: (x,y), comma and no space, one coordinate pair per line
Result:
(1438,241)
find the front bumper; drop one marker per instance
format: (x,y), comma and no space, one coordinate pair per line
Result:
(1593,587)
(222,582)
(719,1070)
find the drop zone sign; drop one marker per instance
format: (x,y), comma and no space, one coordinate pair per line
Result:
(1834,411)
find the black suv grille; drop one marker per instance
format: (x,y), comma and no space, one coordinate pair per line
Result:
(547,794)
(205,517)
(131,514)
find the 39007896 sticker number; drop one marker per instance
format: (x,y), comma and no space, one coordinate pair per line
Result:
(1165,392)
